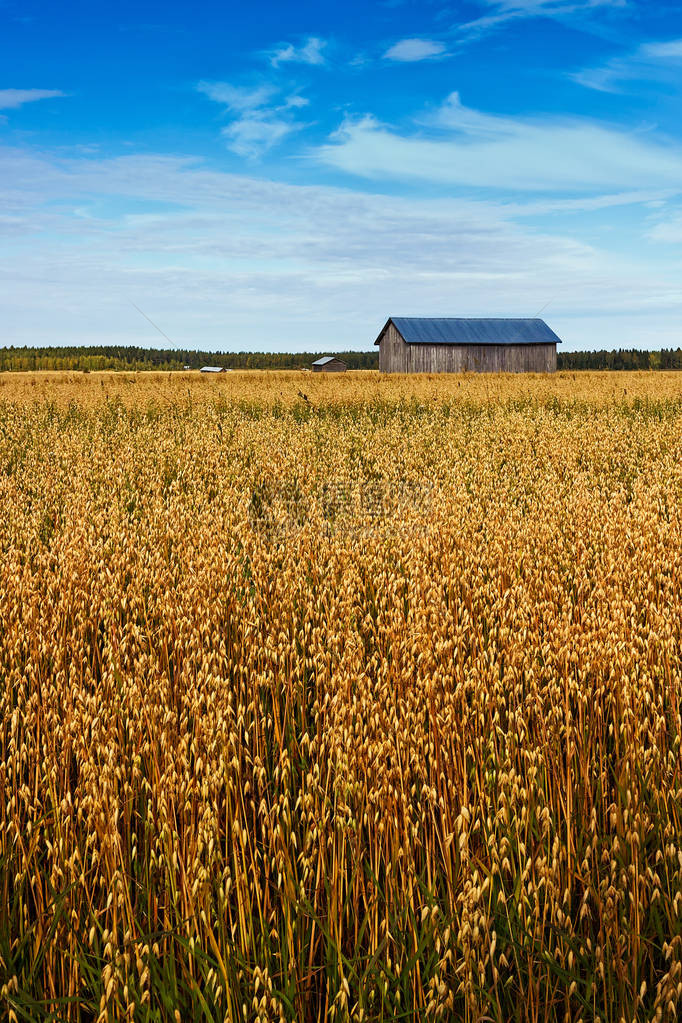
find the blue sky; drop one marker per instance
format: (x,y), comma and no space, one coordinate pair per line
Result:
(285,176)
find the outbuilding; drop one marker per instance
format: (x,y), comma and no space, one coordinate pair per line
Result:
(329,364)
(409,344)
(212,369)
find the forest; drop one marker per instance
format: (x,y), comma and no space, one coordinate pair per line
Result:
(122,357)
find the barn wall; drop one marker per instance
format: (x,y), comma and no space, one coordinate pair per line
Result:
(397,357)
(330,367)
(394,354)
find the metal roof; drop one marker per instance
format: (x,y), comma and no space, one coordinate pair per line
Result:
(417,330)
(212,369)
(327,358)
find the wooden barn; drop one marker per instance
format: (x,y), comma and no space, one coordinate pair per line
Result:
(409,344)
(329,364)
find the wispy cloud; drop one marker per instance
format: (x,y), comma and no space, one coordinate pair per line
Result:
(238,98)
(10,99)
(502,11)
(238,262)
(309,52)
(668,230)
(670,50)
(408,50)
(651,61)
(260,121)
(458,146)
(253,135)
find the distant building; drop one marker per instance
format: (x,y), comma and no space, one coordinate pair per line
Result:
(212,369)
(447,345)
(329,364)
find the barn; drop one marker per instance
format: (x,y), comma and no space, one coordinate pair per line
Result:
(409,344)
(329,364)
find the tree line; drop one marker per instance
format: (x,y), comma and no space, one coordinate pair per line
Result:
(633,358)
(99,357)
(109,357)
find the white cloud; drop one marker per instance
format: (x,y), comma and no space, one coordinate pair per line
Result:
(238,98)
(548,8)
(254,134)
(670,50)
(10,99)
(310,52)
(604,79)
(652,61)
(668,230)
(408,50)
(588,203)
(227,261)
(511,10)
(259,123)
(463,147)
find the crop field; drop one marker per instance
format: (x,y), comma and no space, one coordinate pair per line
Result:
(138,390)
(352,698)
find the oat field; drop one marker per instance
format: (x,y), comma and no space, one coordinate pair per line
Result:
(340,699)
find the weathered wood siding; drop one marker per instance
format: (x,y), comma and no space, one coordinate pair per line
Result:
(331,367)
(395,356)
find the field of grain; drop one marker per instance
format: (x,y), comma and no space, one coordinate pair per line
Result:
(359,703)
(286,387)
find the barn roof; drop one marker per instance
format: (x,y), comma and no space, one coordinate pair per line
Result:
(422,330)
(326,359)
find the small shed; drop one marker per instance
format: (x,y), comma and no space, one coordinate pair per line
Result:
(413,344)
(212,369)
(329,364)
